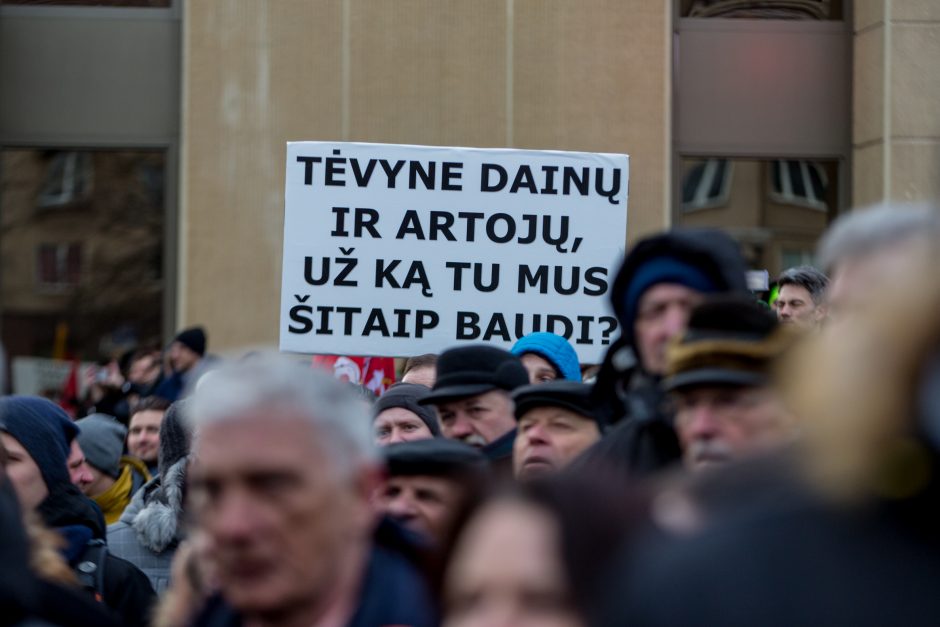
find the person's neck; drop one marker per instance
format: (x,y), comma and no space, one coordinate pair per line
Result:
(333,609)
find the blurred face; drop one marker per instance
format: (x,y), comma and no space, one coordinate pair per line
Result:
(182,358)
(795,306)
(79,470)
(662,314)
(24,474)
(397,424)
(506,571)
(540,369)
(477,420)
(145,370)
(99,483)
(143,435)
(424,504)
(549,438)
(282,523)
(719,423)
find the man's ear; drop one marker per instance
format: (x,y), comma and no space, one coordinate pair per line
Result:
(368,479)
(821,312)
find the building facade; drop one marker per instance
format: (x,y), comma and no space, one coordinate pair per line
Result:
(767,125)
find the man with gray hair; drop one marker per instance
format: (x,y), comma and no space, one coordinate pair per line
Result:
(801,300)
(284,467)
(872,246)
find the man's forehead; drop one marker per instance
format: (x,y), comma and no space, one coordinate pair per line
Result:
(714,389)
(264,424)
(488,396)
(422,481)
(148,416)
(794,291)
(662,292)
(548,412)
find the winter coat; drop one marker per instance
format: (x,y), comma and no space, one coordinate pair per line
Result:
(150,529)
(393,593)
(126,591)
(623,391)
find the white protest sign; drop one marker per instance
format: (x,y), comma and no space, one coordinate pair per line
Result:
(399,250)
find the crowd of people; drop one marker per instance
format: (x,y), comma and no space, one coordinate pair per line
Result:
(735,460)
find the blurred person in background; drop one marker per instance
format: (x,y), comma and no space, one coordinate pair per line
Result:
(187,358)
(547,357)
(397,416)
(143,373)
(37,436)
(143,430)
(284,469)
(104,392)
(868,249)
(536,556)
(662,278)
(37,587)
(153,525)
(801,299)
(865,523)
(114,477)
(719,377)
(421,370)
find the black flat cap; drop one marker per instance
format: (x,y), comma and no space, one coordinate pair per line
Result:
(437,457)
(571,395)
(471,370)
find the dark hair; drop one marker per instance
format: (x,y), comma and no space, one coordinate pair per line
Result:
(419,361)
(807,277)
(596,519)
(147,403)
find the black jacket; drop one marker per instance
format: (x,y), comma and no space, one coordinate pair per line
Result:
(797,561)
(24,598)
(393,593)
(126,590)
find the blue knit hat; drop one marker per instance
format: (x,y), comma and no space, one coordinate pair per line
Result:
(553,348)
(663,270)
(44,430)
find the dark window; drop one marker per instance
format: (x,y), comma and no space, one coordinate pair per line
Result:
(800,183)
(706,185)
(59,265)
(68,179)
(764,9)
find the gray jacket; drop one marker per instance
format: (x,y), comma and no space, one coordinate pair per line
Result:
(150,529)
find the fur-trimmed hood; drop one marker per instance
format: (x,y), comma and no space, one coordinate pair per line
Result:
(156,511)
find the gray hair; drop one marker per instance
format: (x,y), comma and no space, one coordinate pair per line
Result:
(872,229)
(807,277)
(269,380)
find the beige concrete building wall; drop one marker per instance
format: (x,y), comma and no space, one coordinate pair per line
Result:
(569,74)
(896,129)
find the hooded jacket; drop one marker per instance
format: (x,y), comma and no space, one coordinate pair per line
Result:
(45,431)
(151,528)
(624,390)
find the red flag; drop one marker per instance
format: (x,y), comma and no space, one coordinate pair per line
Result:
(374,373)
(68,399)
